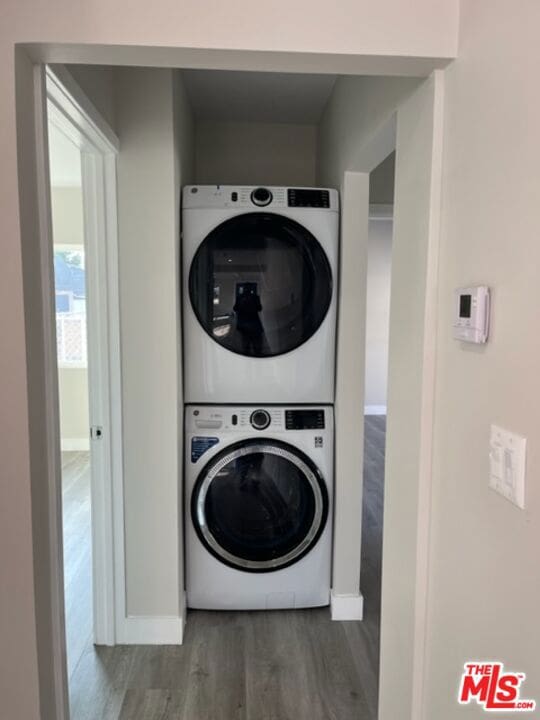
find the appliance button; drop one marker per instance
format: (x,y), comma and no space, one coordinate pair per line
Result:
(207,423)
(261,197)
(260,419)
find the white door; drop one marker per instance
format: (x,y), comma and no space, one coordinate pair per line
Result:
(72,118)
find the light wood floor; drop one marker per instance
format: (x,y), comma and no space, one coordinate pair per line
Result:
(77,555)
(278,665)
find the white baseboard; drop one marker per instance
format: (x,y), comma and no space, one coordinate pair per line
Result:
(375,410)
(346,607)
(142,630)
(75,444)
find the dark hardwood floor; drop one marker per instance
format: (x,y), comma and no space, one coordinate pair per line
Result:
(277,665)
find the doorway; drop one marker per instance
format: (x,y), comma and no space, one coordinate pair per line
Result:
(82,166)
(378,284)
(69,255)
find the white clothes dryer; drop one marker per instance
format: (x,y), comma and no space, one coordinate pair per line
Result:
(258,506)
(259,277)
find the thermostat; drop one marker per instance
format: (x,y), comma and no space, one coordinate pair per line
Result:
(471,314)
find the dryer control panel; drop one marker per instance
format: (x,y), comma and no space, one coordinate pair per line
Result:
(304,197)
(263,197)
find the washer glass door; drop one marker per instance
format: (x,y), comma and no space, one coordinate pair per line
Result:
(259,505)
(260,284)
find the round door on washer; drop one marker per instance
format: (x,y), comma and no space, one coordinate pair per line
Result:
(260,284)
(259,505)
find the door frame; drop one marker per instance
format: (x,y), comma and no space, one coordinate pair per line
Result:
(68,109)
(33,202)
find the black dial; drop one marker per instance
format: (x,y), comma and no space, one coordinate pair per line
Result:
(261,196)
(260,419)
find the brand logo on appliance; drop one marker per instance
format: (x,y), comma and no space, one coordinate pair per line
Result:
(489,685)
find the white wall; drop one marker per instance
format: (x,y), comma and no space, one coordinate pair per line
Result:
(74,417)
(67,215)
(148,196)
(230,153)
(378,312)
(484,591)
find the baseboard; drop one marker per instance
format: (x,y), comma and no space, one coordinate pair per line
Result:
(142,630)
(346,607)
(75,444)
(375,410)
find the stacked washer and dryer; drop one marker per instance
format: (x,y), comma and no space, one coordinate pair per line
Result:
(259,322)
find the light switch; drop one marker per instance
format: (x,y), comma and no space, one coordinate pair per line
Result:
(507,461)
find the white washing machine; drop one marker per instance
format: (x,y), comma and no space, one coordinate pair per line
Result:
(259,294)
(258,506)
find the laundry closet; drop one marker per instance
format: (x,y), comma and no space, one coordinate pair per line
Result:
(260,254)
(229,201)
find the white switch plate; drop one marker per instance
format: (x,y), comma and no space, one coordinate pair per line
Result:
(507,461)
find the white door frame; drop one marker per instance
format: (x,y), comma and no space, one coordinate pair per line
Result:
(37,201)
(70,111)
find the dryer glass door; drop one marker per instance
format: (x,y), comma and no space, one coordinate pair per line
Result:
(259,505)
(260,284)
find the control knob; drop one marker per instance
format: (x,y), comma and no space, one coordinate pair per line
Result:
(260,419)
(261,196)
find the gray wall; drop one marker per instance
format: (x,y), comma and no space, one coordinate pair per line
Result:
(411,364)
(357,109)
(379,273)
(349,121)
(184,138)
(149,177)
(381,182)
(230,153)
(355,135)
(98,85)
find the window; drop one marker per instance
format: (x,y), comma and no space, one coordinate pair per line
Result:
(70,291)
(64,301)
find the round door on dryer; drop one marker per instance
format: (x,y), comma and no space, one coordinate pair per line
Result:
(260,284)
(259,505)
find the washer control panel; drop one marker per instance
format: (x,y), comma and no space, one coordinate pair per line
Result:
(203,419)
(260,418)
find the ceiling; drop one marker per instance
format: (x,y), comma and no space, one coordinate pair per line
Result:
(223,95)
